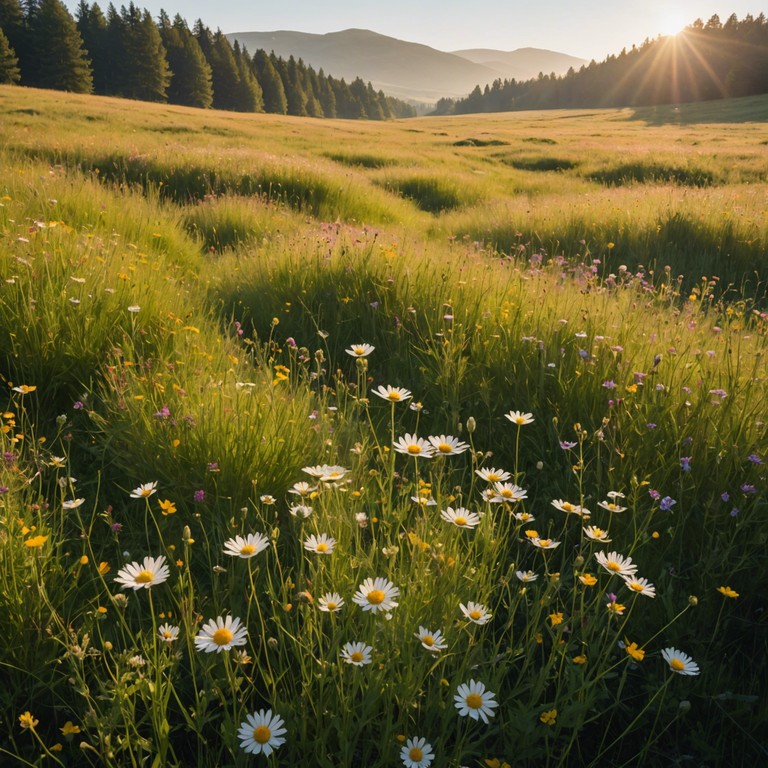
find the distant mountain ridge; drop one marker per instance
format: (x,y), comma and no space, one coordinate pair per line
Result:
(403,69)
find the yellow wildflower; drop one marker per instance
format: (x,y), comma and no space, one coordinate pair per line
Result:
(727,591)
(549,717)
(27,720)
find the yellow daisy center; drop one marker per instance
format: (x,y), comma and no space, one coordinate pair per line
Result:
(414,448)
(262,734)
(144,577)
(506,493)
(545,543)
(322,547)
(395,396)
(460,520)
(222,636)
(359,351)
(428,640)
(445,448)
(356,656)
(493,478)
(415,754)
(677,665)
(474,701)
(331,605)
(167,635)
(519,420)
(612,565)
(376,597)
(475,614)
(146,491)
(568,507)
(248,549)
(636,585)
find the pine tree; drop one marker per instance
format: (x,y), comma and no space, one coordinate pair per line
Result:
(92,26)
(326,95)
(191,84)
(60,59)
(294,90)
(249,95)
(147,76)
(9,64)
(218,52)
(271,84)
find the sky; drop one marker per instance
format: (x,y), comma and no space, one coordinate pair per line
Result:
(590,29)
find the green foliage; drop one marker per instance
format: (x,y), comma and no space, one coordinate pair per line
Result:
(191,84)
(9,63)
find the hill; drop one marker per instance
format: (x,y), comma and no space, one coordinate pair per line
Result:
(404,69)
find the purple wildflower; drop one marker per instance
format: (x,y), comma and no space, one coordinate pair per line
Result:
(734,512)
(666,504)
(200,495)
(566,445)
(116,527)
(654,494)
(163,413)
(725,496)
(755,459)
(609,384)
(685,463)
(78,405)
(748,488)
(650,425)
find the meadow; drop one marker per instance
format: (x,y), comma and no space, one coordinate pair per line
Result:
(438,441)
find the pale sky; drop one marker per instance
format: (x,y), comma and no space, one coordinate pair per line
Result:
(585,28)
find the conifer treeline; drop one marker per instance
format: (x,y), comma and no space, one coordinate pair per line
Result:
(706,61)
(127,53)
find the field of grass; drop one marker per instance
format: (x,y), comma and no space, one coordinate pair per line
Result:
(574,305)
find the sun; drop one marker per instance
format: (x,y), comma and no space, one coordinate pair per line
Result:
(672,22)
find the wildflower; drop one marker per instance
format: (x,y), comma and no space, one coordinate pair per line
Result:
(755,459)
(615,495)
(508,492)
(267,499)
(330,602)
(581,659)
(27,720)
(417,753)
(134,308)
(167,507)
(35,542)
(432,641)
(376,595)
(571,509)
(666,504)
(199,496)
(247,546)
(476,612)
(302,489)
(356,654)
(447,445)
(393,394)
(609,384)
(300,510)
(588,580)
(320,545)
(526,576)
(493,475)
(321,471)
(220,635)
(544,543)
(611,506)
(638,654)
(103,567)
(69,728)
(614,608)
(360,350)
(685,463)
(24,389)
(144,491)
(555,618)
(680,662)
(261,733)
(566,445)
(640,585)
(549,717)
(596,534)
(424,501)
(524,517)
(72,503)
(361,519)
(616,563)
(728,592)
(747,488)
(148,573)
(168,633)
(460,517)
(519,418)
(411,445)
(473,700)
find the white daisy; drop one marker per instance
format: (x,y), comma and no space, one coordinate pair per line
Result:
(473,700)
(360,350)
(526,576)
(432,641)
(320,545)
(476,612)
(300,510)
(393,394)
(72,503)
(596,534)
(220,635)
(267,499)
(508,492)
(571,509)
(356,654)
(261,733)
(447,445)
(411,445)
(247,546)
(168,633)
(524,517)
(544,543)
(492,475)
(610,506)
(376,595)
(640,585)
(302,489)
(330,602)
(424,501)
(613,562)
(144,491)
(460,517)
(679,662)
(519,418)
(417,753)
(615,495)
(150,572)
